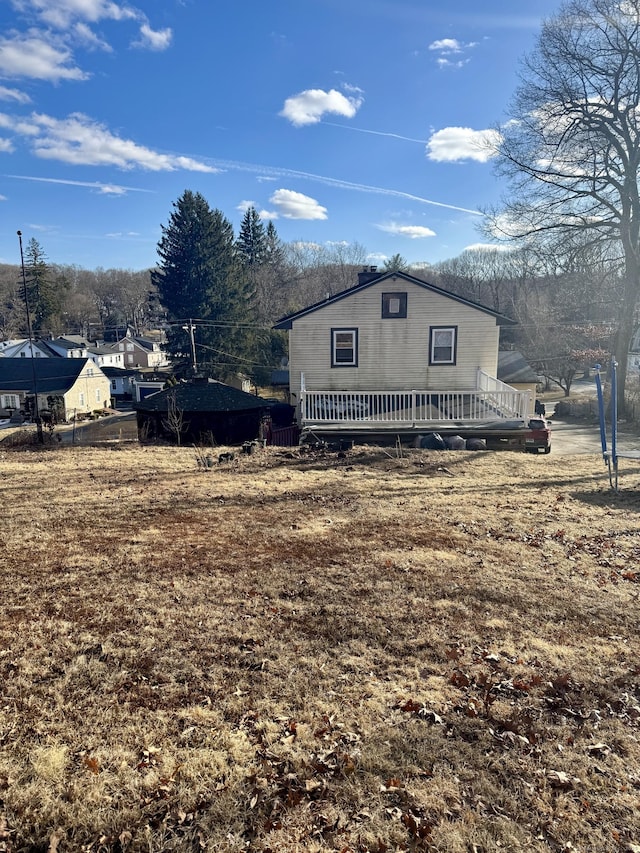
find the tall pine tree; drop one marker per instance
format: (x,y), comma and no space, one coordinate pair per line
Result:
(199,280)
(251,243)
(45,291)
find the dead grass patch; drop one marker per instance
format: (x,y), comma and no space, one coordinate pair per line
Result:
(305,652)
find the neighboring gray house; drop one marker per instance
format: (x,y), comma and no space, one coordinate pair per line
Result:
(395,351)
(141,352)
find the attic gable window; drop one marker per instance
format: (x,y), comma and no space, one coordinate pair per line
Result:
(394,305)
(344,348)
(442,344)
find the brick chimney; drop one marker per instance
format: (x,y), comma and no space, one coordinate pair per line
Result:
(368,274)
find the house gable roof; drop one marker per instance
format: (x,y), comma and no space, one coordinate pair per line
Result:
(206,395)
(513,367)
(69,342)
(288,321)
(53,375)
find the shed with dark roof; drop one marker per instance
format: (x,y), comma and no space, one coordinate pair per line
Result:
(202,411)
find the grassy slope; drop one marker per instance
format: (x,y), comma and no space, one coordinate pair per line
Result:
(285,653)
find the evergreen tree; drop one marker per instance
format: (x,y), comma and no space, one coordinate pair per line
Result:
(45,291)
(199,279)
(396,263)
(274,250)
(251,242)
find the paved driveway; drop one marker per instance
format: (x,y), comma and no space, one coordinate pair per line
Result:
(575,437)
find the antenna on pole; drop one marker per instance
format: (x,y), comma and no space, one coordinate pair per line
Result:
(36,411)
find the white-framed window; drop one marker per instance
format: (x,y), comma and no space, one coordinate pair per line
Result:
(81,398)
(130,359)
(442,344)
(130,347)
(344,347)
(114,385)
(98,395)
(89,371)
(10,401)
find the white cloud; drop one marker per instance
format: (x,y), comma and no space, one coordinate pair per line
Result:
(79,140)
(245,205)
(3,198)
(309,106)
(447,63)
(293,205)
(14,95)
(154,39)
(24,127)
(33,56)
(379,257)
(446,45)
(452,144)
(103,189)
(266,215)
(6,146)
(414,232)
(87,37)
(61,13)
(487,247)
(302,245)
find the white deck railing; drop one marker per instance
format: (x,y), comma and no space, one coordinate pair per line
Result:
(496,401)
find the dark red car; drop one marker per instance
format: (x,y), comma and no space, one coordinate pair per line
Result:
(538,436)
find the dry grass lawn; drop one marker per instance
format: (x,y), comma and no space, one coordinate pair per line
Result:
(292,652)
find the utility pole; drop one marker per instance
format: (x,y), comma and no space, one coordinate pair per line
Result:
(36,411)
(190,328)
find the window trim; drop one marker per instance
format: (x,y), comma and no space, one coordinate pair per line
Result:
(433,362)
(334,348)
(13,397)
(402,313)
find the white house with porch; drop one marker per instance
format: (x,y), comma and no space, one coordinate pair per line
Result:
(396,353)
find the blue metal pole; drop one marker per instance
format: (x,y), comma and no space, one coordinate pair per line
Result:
(614,413)
(603,428)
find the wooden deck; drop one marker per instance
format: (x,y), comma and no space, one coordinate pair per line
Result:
(490,401)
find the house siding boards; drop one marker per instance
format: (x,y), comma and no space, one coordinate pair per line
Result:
(82,386)
(90,391)
(393,353)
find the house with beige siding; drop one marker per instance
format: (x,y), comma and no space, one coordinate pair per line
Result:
(396,351)
(66,387)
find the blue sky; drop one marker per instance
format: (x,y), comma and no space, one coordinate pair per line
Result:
(341,120)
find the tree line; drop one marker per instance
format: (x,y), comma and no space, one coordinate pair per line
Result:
(227,291)
(567,267)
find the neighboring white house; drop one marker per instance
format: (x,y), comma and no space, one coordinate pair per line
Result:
(106,356)
(70,346)
(396,348)
(24,349)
